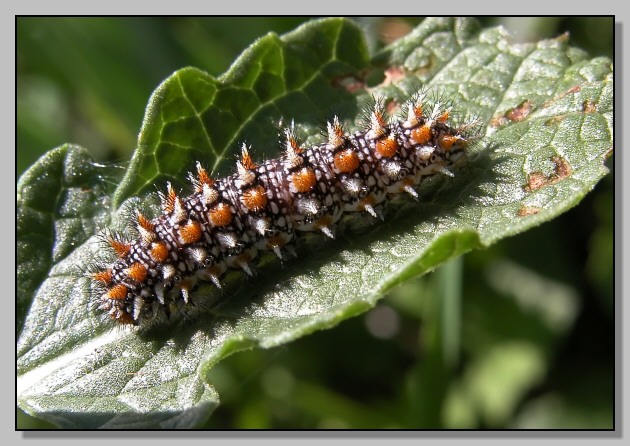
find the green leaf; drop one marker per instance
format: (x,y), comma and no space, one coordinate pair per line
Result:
(546,114)
(61,200)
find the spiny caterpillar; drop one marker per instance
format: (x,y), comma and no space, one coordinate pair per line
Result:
(227,223)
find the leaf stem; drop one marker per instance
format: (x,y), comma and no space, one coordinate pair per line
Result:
(450,288)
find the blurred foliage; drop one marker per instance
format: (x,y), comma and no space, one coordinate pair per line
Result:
(517,336)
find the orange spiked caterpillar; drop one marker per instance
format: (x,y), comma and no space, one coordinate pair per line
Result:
(227,223)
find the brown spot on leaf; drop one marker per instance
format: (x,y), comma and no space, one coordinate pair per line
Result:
(589,107)
(522,111)
(528,210)
(516,114)
(536,180)
(563,168)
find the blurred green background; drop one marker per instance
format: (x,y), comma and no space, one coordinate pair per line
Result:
(517,336)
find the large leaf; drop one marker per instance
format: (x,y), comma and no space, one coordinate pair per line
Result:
(546,114)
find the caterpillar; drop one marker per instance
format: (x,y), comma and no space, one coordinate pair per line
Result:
(227,223)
